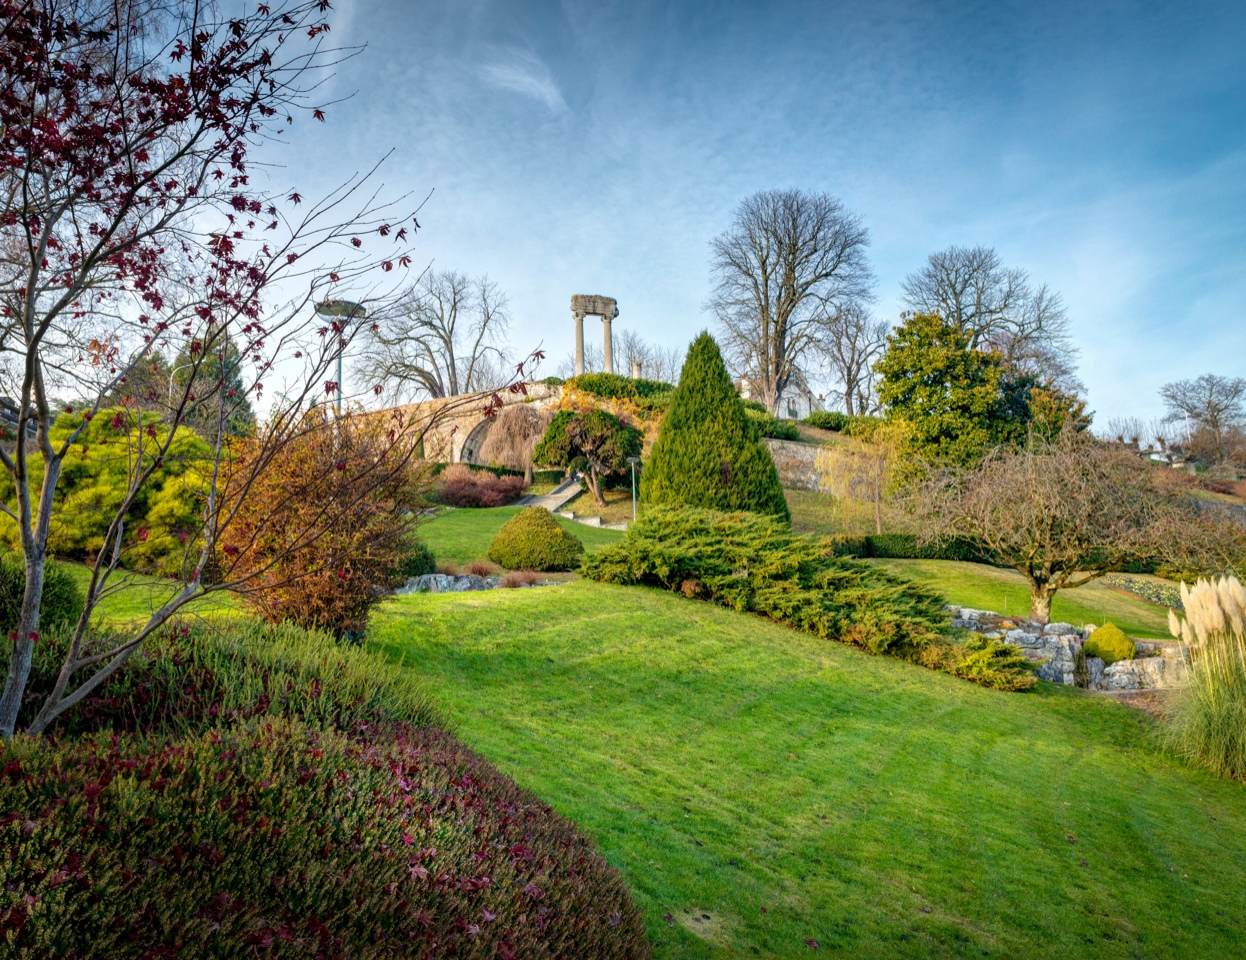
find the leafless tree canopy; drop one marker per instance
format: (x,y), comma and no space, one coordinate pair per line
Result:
(656,362)
(999,309)
(1066,512)
(854,339)
(445,338)
(1213,403)
(788,263)
(594,361)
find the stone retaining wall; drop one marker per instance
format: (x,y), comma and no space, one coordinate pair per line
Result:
(1055,646)
(796,463)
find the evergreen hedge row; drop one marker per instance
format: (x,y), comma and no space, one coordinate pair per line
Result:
(904,546)
(752,564)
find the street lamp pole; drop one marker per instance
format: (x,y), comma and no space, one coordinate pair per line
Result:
(633,461)
(351,312)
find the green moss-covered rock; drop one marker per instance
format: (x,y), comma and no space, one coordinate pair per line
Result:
(708,453)
(533,540)
(1110,644)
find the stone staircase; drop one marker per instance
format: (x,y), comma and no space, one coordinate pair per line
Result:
(562,494)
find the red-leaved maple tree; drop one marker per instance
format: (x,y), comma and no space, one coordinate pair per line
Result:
(131,222)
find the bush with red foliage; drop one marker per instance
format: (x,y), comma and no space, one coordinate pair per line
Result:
(324,528)
(278,839)
(266,792)
(479,488)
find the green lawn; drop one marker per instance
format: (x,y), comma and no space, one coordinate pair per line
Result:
(765,788)
(464,535)
(142,595)
(1005,591)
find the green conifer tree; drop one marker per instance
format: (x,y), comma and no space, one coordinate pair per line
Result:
(708,453)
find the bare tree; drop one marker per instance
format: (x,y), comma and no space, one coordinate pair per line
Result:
(444,338)
(631,349)
(997,309)
(1212,402)
(594,362)
(789,262)
(1067,512)
(151,239)
(853,341)
(863,471)
(666,363)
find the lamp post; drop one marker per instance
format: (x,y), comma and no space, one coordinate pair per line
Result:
(633,461)
(351,311)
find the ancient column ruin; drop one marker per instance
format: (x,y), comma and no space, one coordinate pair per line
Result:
(587,305)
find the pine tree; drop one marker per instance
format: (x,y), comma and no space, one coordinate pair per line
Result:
(708,453)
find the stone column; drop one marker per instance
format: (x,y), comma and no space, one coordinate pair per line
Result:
(605,322)
(635,369)
(579,343)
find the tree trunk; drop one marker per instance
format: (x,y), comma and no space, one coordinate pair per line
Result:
(1041,595)
(527,474)
(26,635)
(594,485)
(878,510)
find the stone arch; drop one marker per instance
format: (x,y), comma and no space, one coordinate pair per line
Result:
(474,441)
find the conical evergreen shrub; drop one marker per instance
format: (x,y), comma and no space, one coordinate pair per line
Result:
(708,453)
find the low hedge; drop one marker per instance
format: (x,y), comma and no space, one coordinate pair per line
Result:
(439,467)
(533,540)
(861,427)
(903,546)
(615,386)
(754,564)
(829,420)
(189,678)
(772,427)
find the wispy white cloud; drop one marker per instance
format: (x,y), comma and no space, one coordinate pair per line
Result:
(524,73)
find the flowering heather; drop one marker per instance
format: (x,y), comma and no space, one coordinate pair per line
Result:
(278,839)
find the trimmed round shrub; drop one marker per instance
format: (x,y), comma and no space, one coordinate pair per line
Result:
(708,453)
(533,540)
(62,602)
(418,561)
(1110,644)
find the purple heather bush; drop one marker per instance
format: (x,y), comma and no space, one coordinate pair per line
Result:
(291,811)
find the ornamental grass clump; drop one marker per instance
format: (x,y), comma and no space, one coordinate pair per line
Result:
(1208,723)
(752,563)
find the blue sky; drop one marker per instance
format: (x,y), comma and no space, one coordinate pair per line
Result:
(597,147)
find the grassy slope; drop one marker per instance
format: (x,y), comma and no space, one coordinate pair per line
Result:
(993,588)
(461,536)
(727,765)
(143,595)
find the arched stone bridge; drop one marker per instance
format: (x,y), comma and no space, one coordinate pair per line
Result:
(457,435)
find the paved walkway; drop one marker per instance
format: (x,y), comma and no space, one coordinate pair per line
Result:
(562,494)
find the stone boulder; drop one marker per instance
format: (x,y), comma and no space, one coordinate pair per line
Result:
(446,583)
